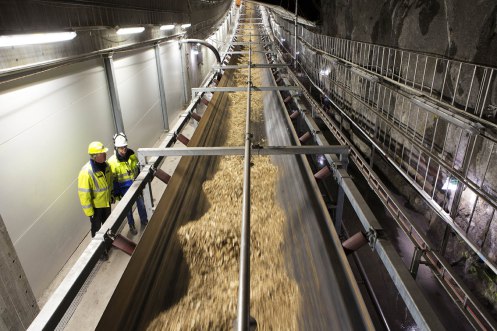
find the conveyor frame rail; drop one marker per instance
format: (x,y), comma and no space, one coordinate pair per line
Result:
(414,300)
(457,290)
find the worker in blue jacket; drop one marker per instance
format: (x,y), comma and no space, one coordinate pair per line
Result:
(125,168)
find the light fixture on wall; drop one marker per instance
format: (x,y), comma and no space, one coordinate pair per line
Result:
(324,72)
(130,30)
(167,27)
(35,38)
(185,26)
(450,184)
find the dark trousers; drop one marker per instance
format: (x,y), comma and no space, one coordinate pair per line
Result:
(98,219)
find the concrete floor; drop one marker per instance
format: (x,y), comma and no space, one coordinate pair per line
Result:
(90,304)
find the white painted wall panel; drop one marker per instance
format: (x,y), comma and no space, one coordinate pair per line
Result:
(46,123)
(173,81)
(138,88)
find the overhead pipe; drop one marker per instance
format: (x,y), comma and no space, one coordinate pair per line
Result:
(205,43)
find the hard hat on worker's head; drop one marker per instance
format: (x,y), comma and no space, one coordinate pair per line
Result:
(120,140)
(96,147)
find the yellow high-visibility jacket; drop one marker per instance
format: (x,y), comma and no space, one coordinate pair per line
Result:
(94,188)
(124,173)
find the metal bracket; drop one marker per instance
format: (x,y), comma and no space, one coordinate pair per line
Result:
(373,235)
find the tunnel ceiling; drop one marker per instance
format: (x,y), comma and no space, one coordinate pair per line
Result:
(47,15)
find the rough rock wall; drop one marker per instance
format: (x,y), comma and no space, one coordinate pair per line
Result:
(459,29)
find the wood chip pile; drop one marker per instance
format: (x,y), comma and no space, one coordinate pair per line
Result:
(211,244)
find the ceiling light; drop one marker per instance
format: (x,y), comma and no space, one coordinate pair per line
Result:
(185,26)
(167,27)
(138,29)
(35,38)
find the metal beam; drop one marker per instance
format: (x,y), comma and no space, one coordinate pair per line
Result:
(269,150)
(241,89)
(252,35)
(255,65)
(243,43)
(246,52)
(162,90)
(113,93)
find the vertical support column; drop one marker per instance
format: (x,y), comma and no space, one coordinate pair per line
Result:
(184,72)
(17,301)
(339,209)
(371,158)
(445,239)
(344,159)
(114,95)
(416,258)
(162,92)
(295,40)
(465,168)
(147,190)
(147,199)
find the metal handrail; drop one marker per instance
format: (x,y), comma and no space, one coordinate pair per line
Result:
(461,174)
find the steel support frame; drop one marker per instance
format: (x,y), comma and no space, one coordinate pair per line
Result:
(406,285)
(254,65)
(113,93)
(162,93)
(438,209)
(243,89)
(219,151)
(245,52)
(243,318)
(444,274)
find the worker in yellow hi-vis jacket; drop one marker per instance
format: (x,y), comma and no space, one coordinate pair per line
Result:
(95,186)
(125,168)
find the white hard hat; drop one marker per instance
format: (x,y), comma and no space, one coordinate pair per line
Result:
(120,140)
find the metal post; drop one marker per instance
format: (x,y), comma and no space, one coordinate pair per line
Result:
(339,209)
(147,199)
(113,93)
(416,258)
(183,73)
(162,92)
(295,46)
(445,239)
(244,282)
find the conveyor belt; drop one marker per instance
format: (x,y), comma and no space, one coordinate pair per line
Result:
(157,276)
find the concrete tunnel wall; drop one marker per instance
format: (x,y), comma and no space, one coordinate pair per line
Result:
(46,123)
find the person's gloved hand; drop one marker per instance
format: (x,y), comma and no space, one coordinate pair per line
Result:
(92,217)
(112,199)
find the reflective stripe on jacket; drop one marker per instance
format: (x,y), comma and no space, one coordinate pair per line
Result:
(94,188)
(124,173)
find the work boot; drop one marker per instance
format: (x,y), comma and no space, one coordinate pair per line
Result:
(132,229)
(144,223)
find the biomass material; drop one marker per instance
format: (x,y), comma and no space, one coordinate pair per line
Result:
(211,244)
